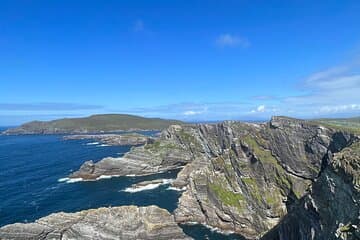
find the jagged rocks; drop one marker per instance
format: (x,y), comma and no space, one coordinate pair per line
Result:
(126,222)
(162,155)
(258,180)
(255,175)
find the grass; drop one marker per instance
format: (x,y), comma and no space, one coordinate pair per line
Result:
(227,197)
(343,124)
(253,188)
(158,146)
(189,139)
(267,158)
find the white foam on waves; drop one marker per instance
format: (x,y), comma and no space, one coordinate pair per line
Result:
(148,186)
(70,180)
(176,189)
(106,177)
(103,145)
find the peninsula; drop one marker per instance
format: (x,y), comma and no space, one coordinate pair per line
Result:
(93,124)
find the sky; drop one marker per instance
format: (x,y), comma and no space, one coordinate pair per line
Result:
(188,60)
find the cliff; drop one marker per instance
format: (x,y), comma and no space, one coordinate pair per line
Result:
(287,179)
(258,180)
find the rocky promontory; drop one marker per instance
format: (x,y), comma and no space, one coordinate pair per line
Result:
(126,222)
(159,156)
(131,139)
(255,179)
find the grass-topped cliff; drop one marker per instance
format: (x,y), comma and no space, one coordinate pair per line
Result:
(348,124)
(94,123)
(284,179)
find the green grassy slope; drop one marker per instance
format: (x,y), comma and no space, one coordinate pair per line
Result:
(347,124)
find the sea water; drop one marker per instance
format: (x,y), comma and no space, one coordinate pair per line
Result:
(33,181)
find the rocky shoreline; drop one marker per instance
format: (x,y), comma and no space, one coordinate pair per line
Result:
(285,179)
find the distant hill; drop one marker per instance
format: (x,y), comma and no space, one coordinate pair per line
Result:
(349,124)
(93,124)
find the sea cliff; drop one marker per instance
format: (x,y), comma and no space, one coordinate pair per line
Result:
(284,179)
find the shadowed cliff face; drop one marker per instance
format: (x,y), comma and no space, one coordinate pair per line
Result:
(331,208)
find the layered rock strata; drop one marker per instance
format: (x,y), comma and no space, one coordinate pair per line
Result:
(126,222)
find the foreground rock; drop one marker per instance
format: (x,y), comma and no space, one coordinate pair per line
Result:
(331,208)
(131,139)
(126,222)
(285,179)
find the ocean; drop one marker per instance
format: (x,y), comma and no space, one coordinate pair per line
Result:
(33,184)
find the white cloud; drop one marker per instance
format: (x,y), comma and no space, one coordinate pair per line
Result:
(261,108)
(339,82)
(228,40)
(191,113)
(330,93)
(139,26)
(339,108)
(328,73)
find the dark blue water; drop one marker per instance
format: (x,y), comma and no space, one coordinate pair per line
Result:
(32,165)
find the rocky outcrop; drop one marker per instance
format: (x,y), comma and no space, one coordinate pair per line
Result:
(270,181)
(166,153)
(254,175)
(126,222)
(331,208)
(131,139)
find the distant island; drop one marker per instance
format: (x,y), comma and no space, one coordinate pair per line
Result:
(93,124)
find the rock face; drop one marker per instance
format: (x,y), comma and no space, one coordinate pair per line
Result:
(251,177)
(331,208)
(164,154)
(286,179)
(131,139)
(127,222)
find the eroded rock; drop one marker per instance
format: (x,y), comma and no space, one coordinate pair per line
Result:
(126,222)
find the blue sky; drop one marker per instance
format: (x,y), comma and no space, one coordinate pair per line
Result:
(190,60)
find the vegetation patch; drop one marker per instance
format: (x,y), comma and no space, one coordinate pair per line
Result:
(227,197)
(351,125)
(189,139)
(266,157)
(253,188)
